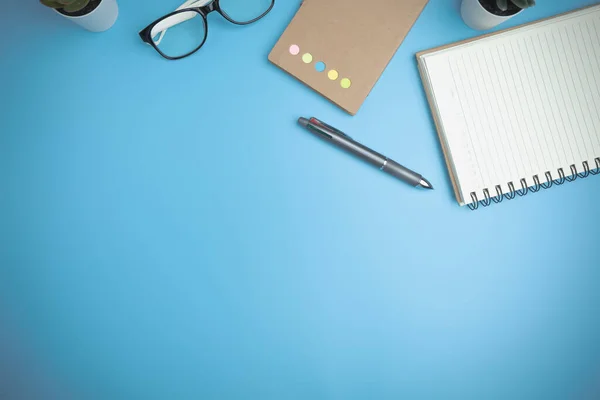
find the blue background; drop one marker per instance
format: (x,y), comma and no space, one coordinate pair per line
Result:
(168,232)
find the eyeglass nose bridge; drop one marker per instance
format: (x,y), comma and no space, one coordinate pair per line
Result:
(210,7)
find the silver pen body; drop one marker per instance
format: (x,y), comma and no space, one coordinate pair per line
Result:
(372,157)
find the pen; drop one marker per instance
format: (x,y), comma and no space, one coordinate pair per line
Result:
(340,139)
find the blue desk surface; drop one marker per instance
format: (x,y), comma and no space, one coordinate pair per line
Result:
(168,232)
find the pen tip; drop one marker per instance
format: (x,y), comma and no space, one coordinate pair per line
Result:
(425,184)
(303,122)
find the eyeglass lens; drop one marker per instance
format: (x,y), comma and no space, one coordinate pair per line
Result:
(179,34)
(245,10)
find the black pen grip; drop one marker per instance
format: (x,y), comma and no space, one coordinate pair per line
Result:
(388,166)
(393,168)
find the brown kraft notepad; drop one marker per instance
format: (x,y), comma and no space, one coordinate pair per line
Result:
(340,48)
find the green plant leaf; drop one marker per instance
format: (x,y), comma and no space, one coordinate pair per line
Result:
(502,4)
(76,5)
(51,3)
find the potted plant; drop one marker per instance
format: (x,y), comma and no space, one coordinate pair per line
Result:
(93,15)
(486,14)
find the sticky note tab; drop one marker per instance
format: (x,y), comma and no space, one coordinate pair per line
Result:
(307,58)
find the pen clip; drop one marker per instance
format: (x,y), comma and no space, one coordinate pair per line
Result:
(328,127)
(319,130)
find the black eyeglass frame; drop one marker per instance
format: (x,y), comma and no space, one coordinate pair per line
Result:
(203,11)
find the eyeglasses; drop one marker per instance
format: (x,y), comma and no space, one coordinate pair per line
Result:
(188,26)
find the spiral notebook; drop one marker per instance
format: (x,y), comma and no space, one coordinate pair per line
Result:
(519,110)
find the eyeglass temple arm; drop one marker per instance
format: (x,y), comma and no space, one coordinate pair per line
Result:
(176,19)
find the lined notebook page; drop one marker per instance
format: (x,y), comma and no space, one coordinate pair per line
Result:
(521,104)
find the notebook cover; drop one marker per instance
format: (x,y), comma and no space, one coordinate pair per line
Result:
(429,93)
(356,38)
